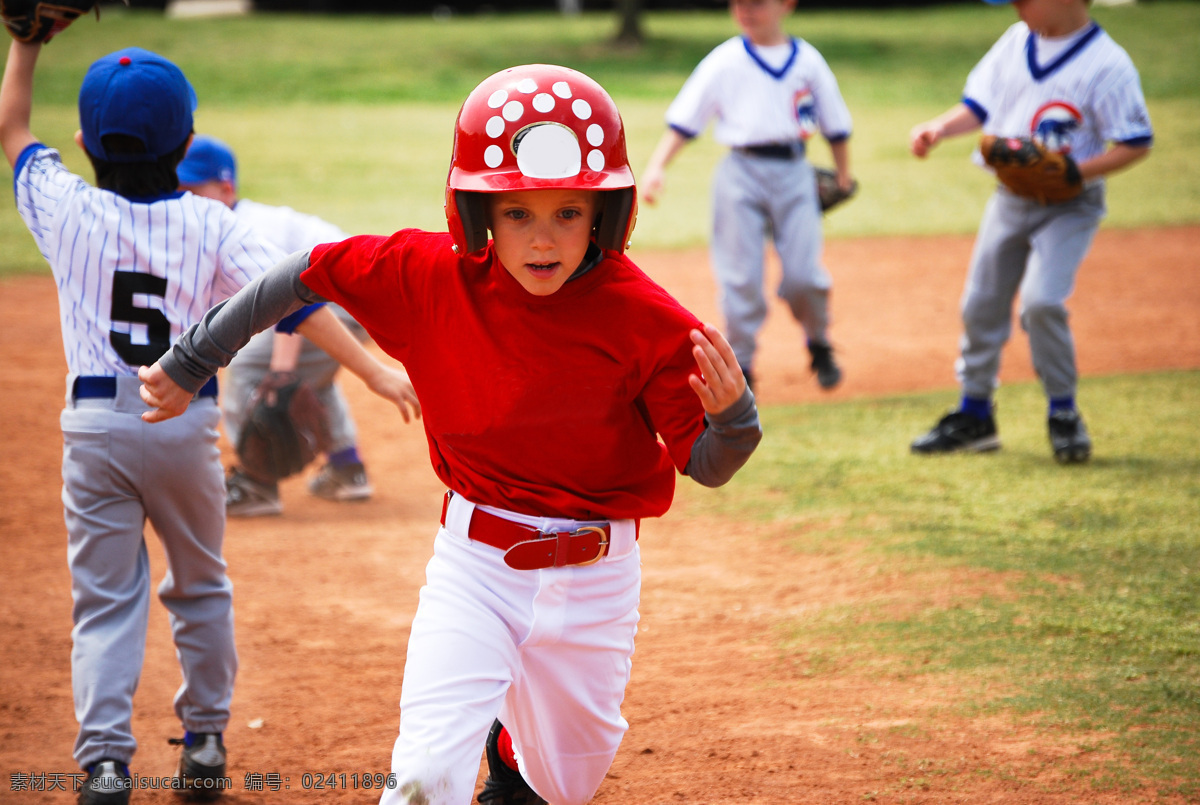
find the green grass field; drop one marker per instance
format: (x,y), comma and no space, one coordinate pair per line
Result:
(1100,636)
(351,118)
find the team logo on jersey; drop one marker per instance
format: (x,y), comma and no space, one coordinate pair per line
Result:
(805,106)
(1053,125)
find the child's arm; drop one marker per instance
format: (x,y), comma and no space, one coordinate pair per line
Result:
(285,351)
(841,162)
(1117,157)
(732,430)
(169,384)
(954,121)
(387,383)
(653,178)
(16,100)
(324,330)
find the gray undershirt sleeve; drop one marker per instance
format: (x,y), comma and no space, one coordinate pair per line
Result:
(726,443)
(227,327)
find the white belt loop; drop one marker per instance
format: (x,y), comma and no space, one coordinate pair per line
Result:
(622,539)
(458,515)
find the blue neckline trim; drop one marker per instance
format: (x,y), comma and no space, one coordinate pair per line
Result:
(1037,71)
(782,71)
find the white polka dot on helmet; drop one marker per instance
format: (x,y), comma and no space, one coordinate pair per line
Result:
(539,126)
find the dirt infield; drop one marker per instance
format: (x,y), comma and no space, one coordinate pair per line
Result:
(325,593)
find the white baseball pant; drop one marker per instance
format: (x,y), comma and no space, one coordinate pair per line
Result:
(548,652)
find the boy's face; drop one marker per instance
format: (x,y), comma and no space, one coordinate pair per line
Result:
(1051,17)
(761,20)
(541,236)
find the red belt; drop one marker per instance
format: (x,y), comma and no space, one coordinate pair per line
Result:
(528,548)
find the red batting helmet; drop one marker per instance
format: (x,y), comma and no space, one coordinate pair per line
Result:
(536,127)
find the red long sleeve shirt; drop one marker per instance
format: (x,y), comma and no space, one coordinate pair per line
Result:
(544,405)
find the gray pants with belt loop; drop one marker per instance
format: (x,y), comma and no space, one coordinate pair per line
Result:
(1035,250)
(119,472)
(754,197)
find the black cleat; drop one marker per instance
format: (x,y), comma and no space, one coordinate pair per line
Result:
(1069,437)
(959,432)
(107,783)
(829,374)
(247,497)
(201,765)
(341,483)
(504,785)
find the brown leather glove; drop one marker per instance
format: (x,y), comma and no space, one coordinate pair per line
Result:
(287,428)
(39,21)
(1029,169)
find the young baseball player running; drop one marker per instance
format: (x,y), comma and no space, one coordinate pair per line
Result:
(210,170)
(561,389)
(136,263)
(769,93)
(1055,77)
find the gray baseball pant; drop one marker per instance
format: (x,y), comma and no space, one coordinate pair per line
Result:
(119,472)
(1035,250)
(754,197)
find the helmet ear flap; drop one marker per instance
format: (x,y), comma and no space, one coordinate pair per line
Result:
(472,211)
(617,211)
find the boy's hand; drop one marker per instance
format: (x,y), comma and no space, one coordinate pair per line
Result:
(393,384)
(651,185)
(924,137)
(162,393)
(958,119)
(723,382)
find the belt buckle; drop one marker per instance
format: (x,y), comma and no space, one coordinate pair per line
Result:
(553,549)
(604,541)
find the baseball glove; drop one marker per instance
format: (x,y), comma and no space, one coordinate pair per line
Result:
(33,21)
(287,428)
(829,192)
(1031,170)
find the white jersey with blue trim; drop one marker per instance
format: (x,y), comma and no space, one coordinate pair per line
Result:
(131,276)
(761,95)
(1072,94)
(288,229)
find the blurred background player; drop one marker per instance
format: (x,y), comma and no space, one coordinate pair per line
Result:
(125,294)
(769,93)
(117,473)
(210,170)
(1059,78)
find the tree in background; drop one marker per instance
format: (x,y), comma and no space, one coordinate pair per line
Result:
(629,30)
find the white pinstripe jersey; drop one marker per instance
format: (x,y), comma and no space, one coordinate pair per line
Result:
(131,276)
(1073,94)
(755,101)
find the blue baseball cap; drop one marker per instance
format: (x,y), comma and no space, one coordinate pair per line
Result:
(998,2)
(208,160)
(139,94)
